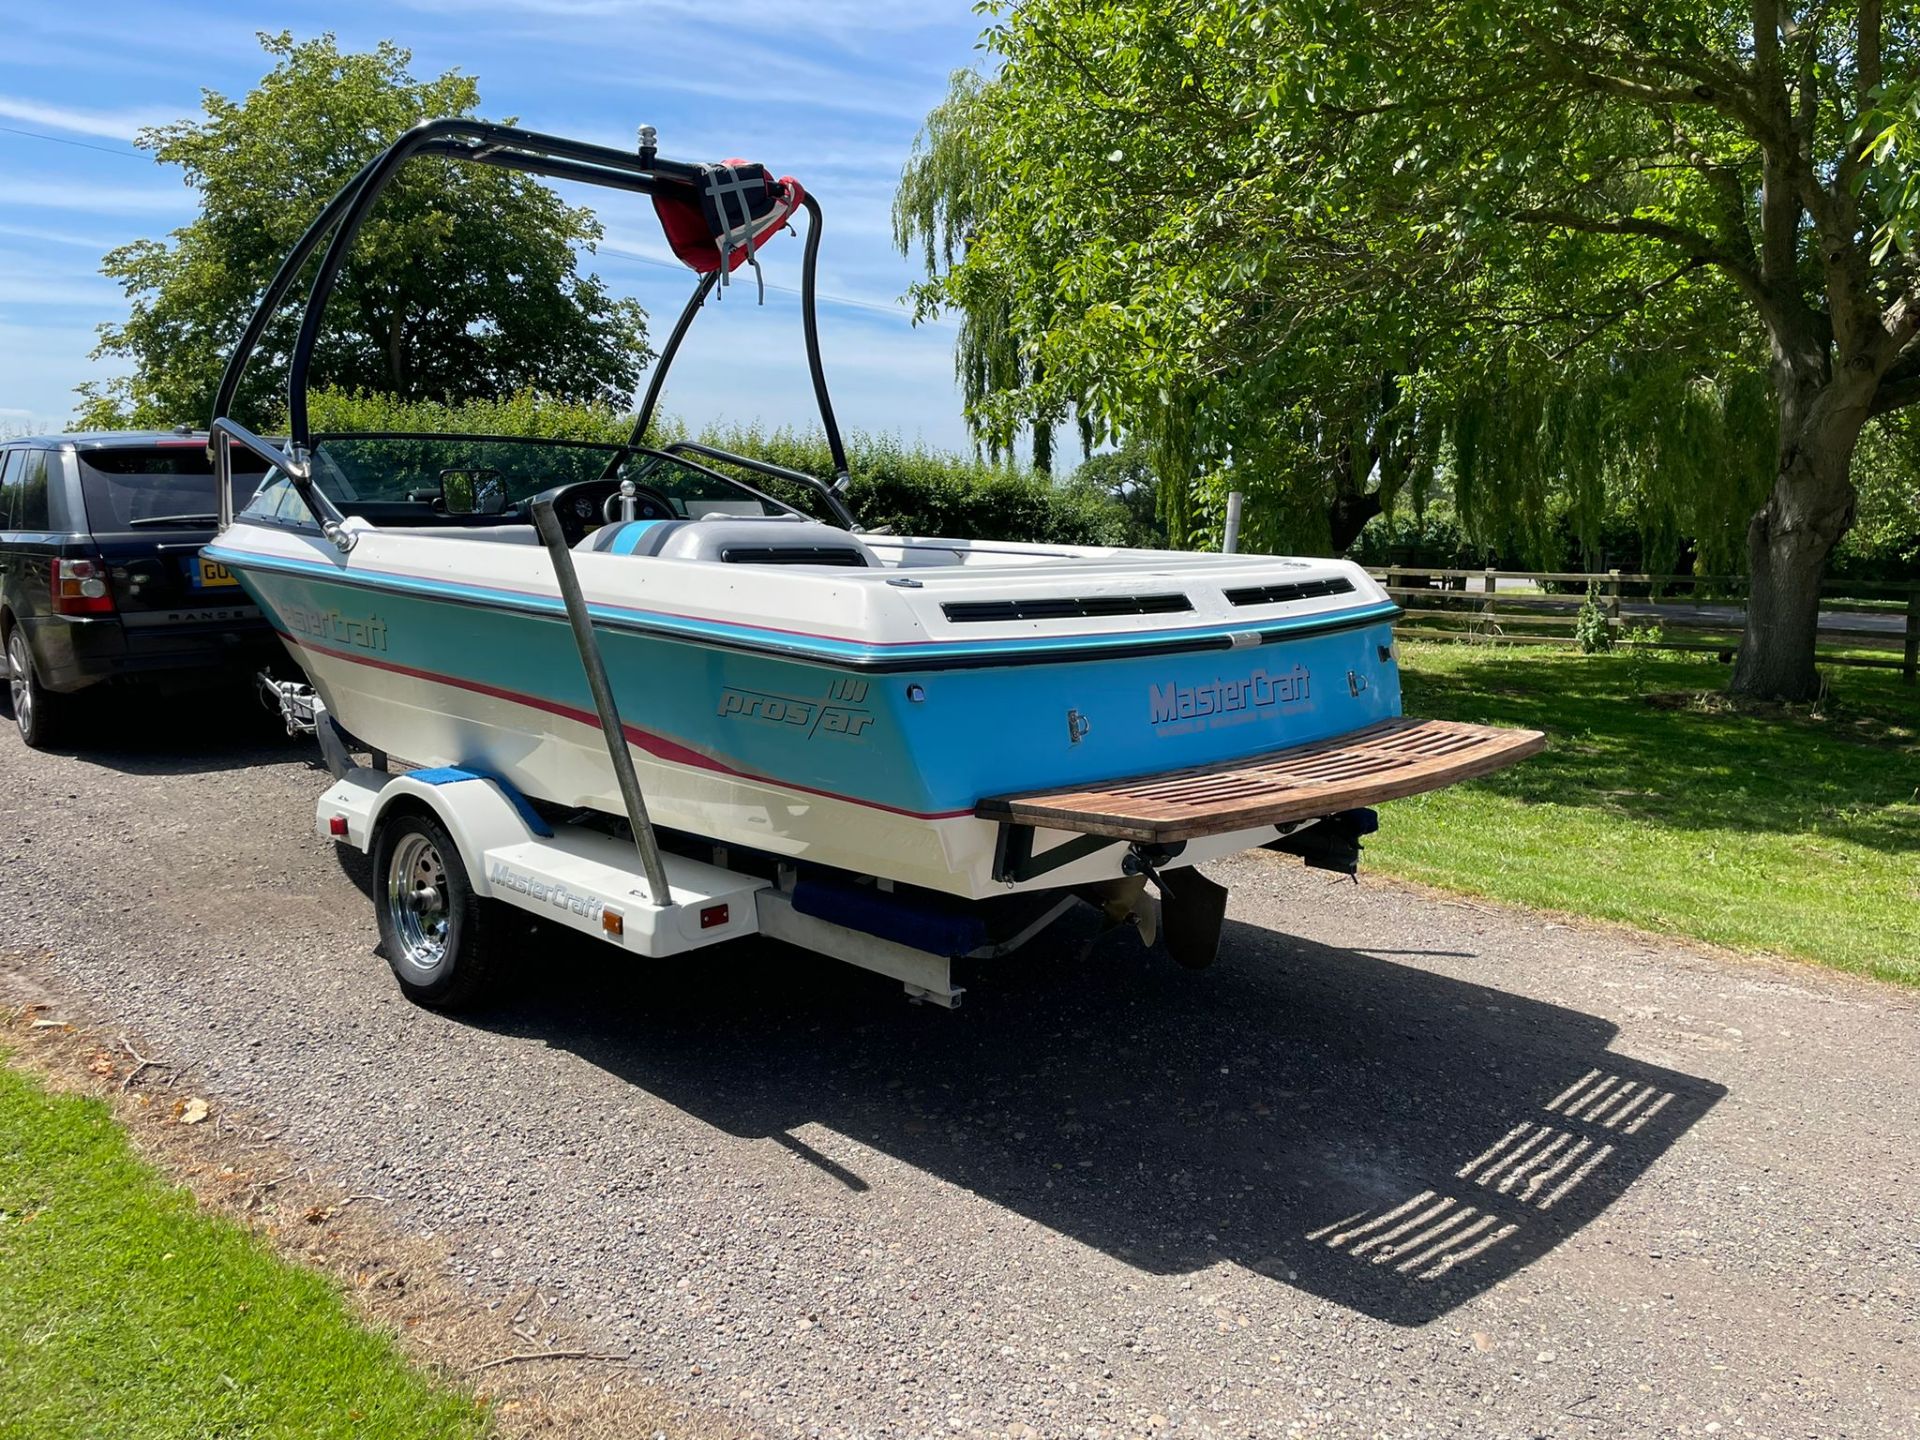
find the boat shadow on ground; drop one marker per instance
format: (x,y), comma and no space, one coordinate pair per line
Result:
(1389,1139)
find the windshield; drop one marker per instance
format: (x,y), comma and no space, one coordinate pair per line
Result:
(133,486)
(395,477)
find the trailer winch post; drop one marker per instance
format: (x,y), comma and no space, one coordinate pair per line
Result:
(644,840)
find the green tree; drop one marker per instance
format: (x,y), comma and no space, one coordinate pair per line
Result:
(1124,476)
(943,187)
(463,283)
(1884,543)
(1763,147)
(1529,225)
(1093,222)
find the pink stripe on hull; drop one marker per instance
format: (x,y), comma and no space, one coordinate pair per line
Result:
(657,745)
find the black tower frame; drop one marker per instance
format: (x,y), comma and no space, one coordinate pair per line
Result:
(506,147)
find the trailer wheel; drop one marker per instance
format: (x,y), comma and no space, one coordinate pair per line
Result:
(442,940)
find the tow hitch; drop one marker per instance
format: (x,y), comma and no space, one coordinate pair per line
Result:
(292,700)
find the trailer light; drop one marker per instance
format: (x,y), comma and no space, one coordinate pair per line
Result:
(80,588)
(337,826)
(613,922)
(713,917)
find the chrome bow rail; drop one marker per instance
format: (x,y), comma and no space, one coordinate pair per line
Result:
(295,462)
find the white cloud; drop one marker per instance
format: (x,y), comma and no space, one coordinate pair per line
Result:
(90,197)
(49,290)
(831,90)
(59,237)
(795,58)
(743,17)
(834,93)
(625,245)
(101,40)
(106,124)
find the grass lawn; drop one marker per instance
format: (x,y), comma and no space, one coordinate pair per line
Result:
(127,1313)
(1791,832)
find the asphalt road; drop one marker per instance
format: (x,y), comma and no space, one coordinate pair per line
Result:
(1396,1165)
(1881,623)
(1832,622)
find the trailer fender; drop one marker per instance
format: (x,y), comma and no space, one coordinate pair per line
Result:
(480,812)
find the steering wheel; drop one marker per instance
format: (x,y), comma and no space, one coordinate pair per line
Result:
(585,506)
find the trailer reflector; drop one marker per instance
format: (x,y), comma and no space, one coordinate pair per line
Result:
(613,922)
(337,826)
(713,916)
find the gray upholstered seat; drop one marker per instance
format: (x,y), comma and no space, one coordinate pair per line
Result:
(735,540)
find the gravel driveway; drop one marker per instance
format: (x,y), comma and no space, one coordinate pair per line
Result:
(1396,1165)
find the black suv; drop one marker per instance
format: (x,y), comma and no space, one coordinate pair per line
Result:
(100,571)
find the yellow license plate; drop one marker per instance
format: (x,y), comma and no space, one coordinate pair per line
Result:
(211,575)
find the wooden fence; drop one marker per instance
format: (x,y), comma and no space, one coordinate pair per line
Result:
(1515,607)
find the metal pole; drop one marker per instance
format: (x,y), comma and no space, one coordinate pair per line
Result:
(810,323)
(555,539)
(1910,667)
(223,476)
(1236,501)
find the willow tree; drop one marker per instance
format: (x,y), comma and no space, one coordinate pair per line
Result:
(1211,216)
(1768,145)
(1550,437)
(943,190)
(1098,282)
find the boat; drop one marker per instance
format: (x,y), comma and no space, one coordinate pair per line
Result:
(707,652)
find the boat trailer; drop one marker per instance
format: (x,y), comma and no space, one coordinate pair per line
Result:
(482,840)
(445,840)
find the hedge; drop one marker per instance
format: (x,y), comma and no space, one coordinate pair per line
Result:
(913,489)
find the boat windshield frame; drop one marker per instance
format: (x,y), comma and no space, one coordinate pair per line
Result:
(622,457)
(642,171)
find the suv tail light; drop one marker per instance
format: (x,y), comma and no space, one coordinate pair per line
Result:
(80,588)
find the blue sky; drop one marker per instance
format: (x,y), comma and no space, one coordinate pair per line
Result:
(831,91)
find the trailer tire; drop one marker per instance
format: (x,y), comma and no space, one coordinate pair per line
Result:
(443,941)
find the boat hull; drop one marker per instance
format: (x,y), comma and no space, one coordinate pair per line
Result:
(871,768)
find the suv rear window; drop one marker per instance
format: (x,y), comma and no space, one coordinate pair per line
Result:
(127,486)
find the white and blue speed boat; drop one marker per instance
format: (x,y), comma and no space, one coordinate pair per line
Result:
(887,714)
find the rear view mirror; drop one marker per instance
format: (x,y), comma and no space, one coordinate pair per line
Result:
(473,492)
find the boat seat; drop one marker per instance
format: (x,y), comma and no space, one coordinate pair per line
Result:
(734,540)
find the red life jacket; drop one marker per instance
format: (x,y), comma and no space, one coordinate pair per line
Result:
(735,207)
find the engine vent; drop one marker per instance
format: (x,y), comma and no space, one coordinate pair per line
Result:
(1291,590)
(1066,607)
(844,555)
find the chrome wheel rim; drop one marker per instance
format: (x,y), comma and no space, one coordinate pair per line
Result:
(416,900)
(19,681)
